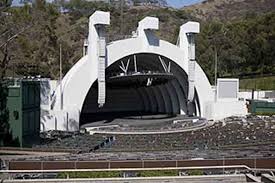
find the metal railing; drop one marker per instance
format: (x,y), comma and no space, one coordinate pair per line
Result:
(133,169)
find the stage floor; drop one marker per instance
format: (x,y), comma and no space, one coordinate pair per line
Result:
(142,120)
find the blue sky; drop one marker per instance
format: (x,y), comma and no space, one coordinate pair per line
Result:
(181,3)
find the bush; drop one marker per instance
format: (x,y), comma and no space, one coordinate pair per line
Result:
(89,174)
(195,172)
(158,173)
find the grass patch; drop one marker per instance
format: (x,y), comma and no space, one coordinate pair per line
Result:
(158,173)
(112,174)
(195,172)
(89,174)
(263,83)
(265,113)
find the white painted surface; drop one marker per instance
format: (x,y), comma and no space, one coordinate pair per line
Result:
(267,95)
(148,23)
(47,88)
(223,109)
(83,74)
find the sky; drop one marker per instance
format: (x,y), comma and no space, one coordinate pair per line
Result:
(181,3)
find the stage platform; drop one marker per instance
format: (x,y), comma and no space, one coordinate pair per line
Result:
(146,124)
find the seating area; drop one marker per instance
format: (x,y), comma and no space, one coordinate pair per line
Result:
(78,142)
(235,137)
(232,132)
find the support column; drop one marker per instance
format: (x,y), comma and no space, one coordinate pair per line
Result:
(101,66)
(191,66)
(97,49)
(187,43)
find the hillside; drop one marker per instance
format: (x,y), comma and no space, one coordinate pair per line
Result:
(36,50)
(229,9)
(161,3)
(245,46)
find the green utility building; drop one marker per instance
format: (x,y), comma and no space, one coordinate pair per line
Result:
(24,111)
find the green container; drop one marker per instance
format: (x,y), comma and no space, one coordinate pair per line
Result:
(24,111)
(257,106)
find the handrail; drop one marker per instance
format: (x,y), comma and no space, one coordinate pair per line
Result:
(128,169)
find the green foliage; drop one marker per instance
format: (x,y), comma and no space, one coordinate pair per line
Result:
(89,174)
(264,83)
(244,47)
(265,113)
(195,172)
(5,3)
(109,174)
(158,173)
(35,51)
(80,8)
(31,41)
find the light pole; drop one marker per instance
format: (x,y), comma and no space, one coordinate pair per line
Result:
(216,72)
(60,76)
(213,42)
